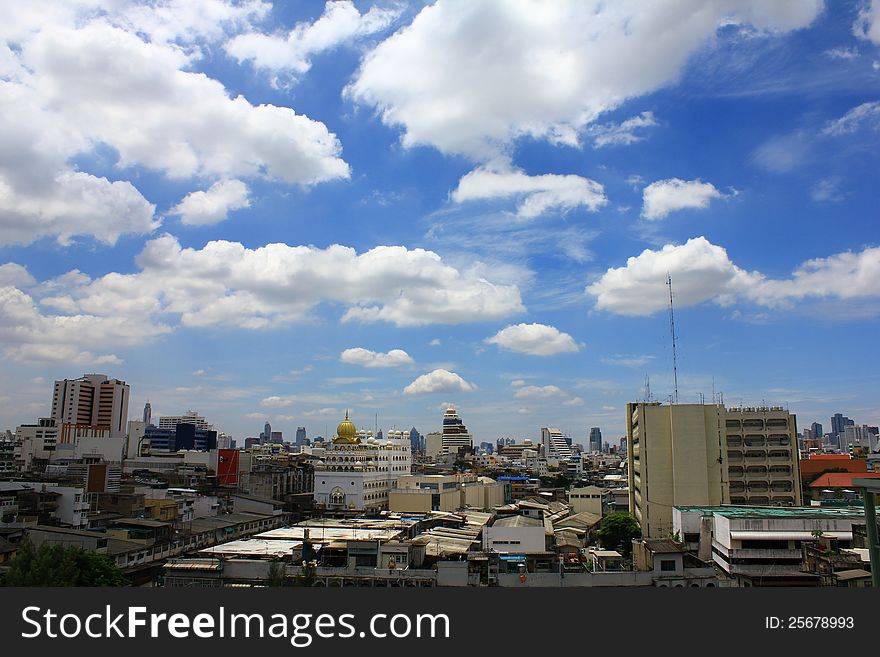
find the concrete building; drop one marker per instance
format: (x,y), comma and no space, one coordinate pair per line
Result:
(425,493)
(190,417)
(434,444)
(762,546)
(591,499)
(595,443)
(455,434)
(357,471)
(92,400)
(705,454)
(554,443)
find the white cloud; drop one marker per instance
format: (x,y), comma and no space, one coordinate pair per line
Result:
(213,205)
(434,343)
(702,271)
(226,284)
(625,133)
(340,23)
(864,115)
(367,358)
(537,194)
(662,197)
(472,77)
(827,190)
(627,360)
(534,339)
(439,380)
(867,25)
(842,53)
(517,383)
(538,392)
(574,401)
(80,76)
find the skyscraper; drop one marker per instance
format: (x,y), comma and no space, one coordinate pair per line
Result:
(300,436)
(595,439)
(266,436)
(816,430)
(415,440)
(148,414)
(554,443)
(455,434)
(93,400)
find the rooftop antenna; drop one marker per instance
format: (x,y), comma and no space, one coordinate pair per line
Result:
(672,329)
(647,388)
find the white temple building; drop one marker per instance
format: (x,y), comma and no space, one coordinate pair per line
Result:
(357,471)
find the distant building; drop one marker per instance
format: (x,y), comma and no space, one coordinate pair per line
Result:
(416,441)
(148,414)
(92,400)
(455,433)
(300,436)
(266,435)
(554,443)
(190,417)
(595,439)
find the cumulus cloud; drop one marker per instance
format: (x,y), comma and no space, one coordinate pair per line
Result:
(340,23)
(534,339)
(538,392)
(439,380)
(866,115)
(367,358)
(226,284)
(702,271)
(455,77)
(662,197)
(867,24)
(624,133)
(77,76)
(538,194)
(214,204)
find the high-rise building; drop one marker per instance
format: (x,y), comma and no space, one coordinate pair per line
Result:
(455,433)
(415,440)
(92,400)
(554,443)
(816,430)
(706,455)
(148,414)
(300,436)
(266,436)
(595,439)
(838,422)
(190,417)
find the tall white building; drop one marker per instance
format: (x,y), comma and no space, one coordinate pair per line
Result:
(455,433)
(554,443)
(92,400)
(357,471)
(190,417)
(855,435)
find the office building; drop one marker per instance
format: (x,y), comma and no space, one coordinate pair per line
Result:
(554,443)
(706,455)
(190,417)
(92,400)
(300,436)
(595,439)
(148,414)
(455,433)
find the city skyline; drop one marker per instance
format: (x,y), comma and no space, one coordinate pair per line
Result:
(367,228)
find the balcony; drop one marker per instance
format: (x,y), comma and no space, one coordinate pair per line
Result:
(755,440)
(734,441)
(780,455)
(758,486)
(778,440)
(780,471)
(756,472)
(734,456)
(760,500)
(756,455)
(735,471)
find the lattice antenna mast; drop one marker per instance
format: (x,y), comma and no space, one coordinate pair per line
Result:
(672,330)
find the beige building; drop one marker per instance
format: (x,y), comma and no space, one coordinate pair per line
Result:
(590,499)
(706,455)
(424,493)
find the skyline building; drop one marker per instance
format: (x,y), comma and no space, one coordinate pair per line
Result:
(190,417)
(455,435)
(148,414)
(595,443)
(300,436)
(706,455)
(554,443)
(92,400)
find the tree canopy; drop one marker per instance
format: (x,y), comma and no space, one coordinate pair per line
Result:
(58,565)
(617,530)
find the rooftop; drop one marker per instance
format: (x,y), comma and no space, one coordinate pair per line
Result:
(776,511)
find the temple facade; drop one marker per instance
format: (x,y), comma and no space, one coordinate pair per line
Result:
(357,470)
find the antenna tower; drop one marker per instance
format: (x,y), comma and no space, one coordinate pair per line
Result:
(672,330)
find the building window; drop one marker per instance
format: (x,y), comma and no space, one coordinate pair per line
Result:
(667,564)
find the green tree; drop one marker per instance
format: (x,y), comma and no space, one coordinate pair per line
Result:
(57,565)
(617,530)
(276,575)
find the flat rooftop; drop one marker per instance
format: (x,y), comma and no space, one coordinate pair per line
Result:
(776,511)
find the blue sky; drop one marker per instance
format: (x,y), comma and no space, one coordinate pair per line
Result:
(284,211)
